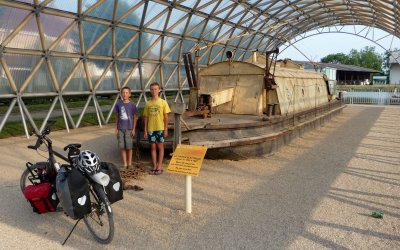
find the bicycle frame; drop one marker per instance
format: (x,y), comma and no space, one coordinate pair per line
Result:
(100,208)
(49,144)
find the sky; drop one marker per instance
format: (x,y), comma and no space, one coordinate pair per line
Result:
(318,46)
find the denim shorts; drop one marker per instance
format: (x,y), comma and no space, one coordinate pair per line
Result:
(156,136)
(125,140)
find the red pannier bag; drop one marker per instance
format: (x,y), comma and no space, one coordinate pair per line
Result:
(42,197)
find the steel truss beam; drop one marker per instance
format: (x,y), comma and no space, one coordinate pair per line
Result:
(209,27)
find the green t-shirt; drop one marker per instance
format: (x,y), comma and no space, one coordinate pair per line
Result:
(154,111)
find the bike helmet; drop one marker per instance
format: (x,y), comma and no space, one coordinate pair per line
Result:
(89,162)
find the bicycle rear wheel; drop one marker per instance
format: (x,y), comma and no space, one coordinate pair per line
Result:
(100,221)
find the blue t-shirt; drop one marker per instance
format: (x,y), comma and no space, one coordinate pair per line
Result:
(125,113)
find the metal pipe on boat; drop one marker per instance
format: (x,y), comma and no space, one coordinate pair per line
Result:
(177,130)
(187,70)
(197,57)
(193,74)
(275,108)
(270,109)
(254,56)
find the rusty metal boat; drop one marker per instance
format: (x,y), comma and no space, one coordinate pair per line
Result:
(252,108)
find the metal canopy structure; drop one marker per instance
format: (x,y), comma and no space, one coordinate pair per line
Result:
(58,48)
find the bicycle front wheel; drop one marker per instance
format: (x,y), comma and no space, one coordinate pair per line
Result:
(100,221)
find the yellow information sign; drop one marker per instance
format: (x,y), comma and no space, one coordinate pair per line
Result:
(187,160)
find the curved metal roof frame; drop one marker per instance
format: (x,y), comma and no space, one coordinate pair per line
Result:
(364,33)
(54,48)
(312,15)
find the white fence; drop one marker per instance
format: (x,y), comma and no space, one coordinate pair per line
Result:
(370,96)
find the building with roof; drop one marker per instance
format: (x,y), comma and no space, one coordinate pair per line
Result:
(379,80)
(343,74)
(394,68)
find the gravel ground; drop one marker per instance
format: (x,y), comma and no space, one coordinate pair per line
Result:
(314,193)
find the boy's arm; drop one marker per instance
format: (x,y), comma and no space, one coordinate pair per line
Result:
(134,121)
(116,124)
(134,124)
(166,111)
(145,127)
(166,125)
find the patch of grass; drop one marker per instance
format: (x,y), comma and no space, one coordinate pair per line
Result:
(12,129)
(32,107)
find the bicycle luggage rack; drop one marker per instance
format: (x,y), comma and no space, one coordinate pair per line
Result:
(33,175)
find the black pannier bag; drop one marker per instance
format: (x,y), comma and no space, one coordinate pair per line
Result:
(73,192)
(114,188)
(42,197)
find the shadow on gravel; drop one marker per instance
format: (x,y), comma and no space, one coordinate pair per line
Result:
(285,219)
(271,216)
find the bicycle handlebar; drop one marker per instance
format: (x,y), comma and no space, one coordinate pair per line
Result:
(39,141)
(43,137)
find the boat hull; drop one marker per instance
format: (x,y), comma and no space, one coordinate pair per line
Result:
(240,136)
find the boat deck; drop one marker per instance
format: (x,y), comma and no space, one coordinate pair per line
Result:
(251,132)
(220,121)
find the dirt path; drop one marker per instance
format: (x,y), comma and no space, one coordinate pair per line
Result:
(317,192)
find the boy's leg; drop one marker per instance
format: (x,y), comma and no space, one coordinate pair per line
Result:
(160,147)
(154,155)
(129,153)
(128,147)
(123,153)
(121,145)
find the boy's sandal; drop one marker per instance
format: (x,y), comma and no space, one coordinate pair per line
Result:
(159,171)
(153,172)
(137,188)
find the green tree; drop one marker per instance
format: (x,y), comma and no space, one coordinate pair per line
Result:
(386,61)
(369,58)
(366,57)
(339,58)
(353,58)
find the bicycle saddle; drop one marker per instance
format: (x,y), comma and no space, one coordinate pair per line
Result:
(73,145)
